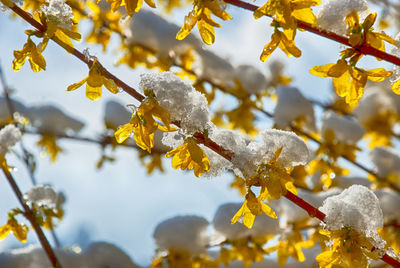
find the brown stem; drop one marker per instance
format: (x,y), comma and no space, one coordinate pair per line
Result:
(31,217)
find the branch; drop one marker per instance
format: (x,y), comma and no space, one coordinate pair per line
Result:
(364,48)
(32,219)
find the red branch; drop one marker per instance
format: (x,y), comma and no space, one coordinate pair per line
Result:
(363,49)
(201,138)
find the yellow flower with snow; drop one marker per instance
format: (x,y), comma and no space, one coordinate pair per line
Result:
(201,15)
(95,82)
(273,178)
(32,53)
(349,81)
(252,207)
(349,249)
(189,156)
(143,124)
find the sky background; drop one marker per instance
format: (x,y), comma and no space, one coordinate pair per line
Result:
(120,203)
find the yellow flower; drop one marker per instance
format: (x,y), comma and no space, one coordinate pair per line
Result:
(34,55)
(20,231)
(349,81)
(273,178)
(143,125)
(100,34)
(94,83)
(189,156)
(364,32)
(349,249)
(285,43)
(49,143)
(286,12)
(131,6)
(251,208)
(290,245)
(201,15)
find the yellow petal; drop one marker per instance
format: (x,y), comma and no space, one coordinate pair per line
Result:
(4,231)
(77,85)
(342,84)
(206,32)
(352,19)
(268,211)
(150,3)
(378,74)
(270,47)
(322,70)
(20,231)
(133,6)
(305,15)
(190,22)
(238,214)
(110,85)
(396,87)
(253,204)
(289,47)
(93,93)
(123,133)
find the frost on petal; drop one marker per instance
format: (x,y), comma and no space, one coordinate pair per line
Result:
(251,79)
(180,99)
(115,114)
(332,13)
(386,161)
(186,233)
(51,119)
(60,11)
(262,226)
(292,105)
(356,207)
(9,136)
(41,195)
(390,204)
(347,130)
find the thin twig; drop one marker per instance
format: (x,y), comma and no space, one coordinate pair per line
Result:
(32,219)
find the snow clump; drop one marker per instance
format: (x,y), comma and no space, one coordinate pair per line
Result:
(249,158)
(59,12)
(332,13)
(356,207)
(390,204)
(347,130)
(180,99)
(9,136)
(115,114)
(41,195)
(251,79)
(291,105)
(186,233)
(386,161)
